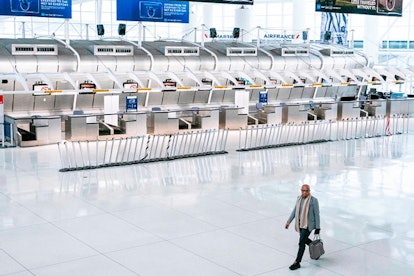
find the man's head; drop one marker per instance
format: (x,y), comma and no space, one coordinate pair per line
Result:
(305,190)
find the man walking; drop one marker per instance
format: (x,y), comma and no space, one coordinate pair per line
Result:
(306,215)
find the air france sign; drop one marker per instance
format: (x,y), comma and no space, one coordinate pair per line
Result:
(282,36)
(293,37)
(267,36)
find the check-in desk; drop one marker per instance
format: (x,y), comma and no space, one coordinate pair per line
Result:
(206,118)
(162,122)
(377,107)
(294,113)
(270,114)
(81,127)
(326,111)
(348,109)
(399,106)
(230,118)
(134,123)
(35,130)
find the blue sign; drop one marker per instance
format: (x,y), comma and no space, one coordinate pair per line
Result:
(263,97)
(40,8)
(152,11)
(131,103)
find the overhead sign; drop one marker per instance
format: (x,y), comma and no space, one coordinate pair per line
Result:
(152,11)
(131,103)
(39,8)
(263,96)
(374,7)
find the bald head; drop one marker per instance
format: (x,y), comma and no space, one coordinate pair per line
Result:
(305,190)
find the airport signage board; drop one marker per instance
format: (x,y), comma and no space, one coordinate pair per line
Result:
(373,7)
(153,11)
(38,8)
(263,97)
(240,2)
(131,103)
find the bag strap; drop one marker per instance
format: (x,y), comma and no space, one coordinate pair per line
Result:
(316,237)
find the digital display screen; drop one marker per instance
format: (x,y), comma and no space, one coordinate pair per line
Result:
(241,2)
(373,7)
(39,8)
(153,11)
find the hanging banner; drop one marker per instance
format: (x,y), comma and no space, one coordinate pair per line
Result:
(153,11)
(373,7)
(334,28)
(39,8)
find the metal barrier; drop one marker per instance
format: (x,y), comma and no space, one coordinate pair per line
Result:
(270,136)
(368,127)
(140,149)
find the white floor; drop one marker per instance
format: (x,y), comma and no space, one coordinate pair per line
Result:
(215,215)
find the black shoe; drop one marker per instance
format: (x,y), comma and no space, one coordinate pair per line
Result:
(294,266)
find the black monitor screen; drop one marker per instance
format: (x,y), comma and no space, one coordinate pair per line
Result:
(373,7)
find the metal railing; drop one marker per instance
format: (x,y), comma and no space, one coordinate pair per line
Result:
(279,135)
(140,149)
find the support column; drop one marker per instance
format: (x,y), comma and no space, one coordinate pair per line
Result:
(371,38)
(243,20)
(190,30)
(98,11)
(208,15)
(298,18)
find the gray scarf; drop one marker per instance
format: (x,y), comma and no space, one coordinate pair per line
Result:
(304,213)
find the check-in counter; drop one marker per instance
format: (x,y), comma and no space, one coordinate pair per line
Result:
(399,106)
(270,114)
(134,123)
(294,113)
(326,111)
(162,122)
(81,127)
(35,130)
(348,109)
(206,118)
(377,107)
(230,118)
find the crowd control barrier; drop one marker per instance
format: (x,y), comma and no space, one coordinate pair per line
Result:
(140,149)
(279,135)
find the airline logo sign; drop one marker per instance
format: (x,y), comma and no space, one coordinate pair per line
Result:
(274,36)
(282,36)
(221,36)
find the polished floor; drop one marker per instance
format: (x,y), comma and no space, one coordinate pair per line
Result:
(214,215)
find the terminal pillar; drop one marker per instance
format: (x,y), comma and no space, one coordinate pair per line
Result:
(372,38)
(243,20)
(298,18)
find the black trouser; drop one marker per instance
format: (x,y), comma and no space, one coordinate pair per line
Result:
(303,240)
